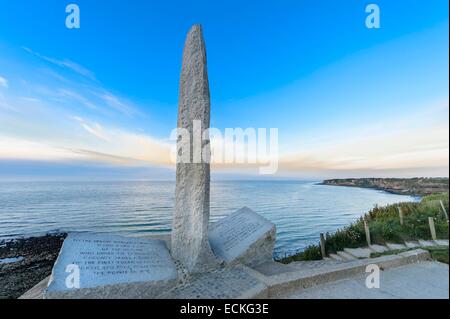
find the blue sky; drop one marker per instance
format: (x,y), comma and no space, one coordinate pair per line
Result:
(347,100)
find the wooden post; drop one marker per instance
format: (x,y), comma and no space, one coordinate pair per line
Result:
(366,228)
(322,246)
(400,214)
(444,210)
(432,229)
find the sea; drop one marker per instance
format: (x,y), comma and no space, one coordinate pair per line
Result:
(301,210)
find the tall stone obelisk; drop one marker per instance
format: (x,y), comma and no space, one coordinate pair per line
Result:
(190,244)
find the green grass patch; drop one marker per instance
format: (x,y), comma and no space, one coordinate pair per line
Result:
(384,224)
(439,253)
(310,253)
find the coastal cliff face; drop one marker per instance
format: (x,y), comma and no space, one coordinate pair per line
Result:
(402,186)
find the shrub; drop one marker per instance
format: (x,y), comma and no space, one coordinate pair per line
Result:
(310,253)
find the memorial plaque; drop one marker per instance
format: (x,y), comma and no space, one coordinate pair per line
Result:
(243,237)
(89,263)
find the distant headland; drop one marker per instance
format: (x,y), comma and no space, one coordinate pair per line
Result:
(419,186)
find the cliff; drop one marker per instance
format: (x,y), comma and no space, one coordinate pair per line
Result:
(405,186)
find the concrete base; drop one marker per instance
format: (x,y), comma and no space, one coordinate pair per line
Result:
(281,285)
(336,257)
(228,283)
(359,252)
(427,243)
(345,255)
(274,268)
(378,248)
(396,246)
(442,242)
(424,280)
(274,280)
(412,244)
(37,292)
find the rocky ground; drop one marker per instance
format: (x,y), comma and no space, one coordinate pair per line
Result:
(36,257)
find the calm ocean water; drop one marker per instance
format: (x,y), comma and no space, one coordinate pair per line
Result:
(301,210)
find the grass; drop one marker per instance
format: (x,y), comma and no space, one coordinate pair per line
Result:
(384,224)
(438,253)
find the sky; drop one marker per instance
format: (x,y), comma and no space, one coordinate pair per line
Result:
(100,102)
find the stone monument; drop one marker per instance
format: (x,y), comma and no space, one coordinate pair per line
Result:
(110,266)
(190,245)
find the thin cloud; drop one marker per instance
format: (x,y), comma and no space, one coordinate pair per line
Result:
(104,100)
(65,93)
(16,148)
(121,144)
(91,95)
(94,129)
(3,82)
(65,64)
(114,102)
(106,158)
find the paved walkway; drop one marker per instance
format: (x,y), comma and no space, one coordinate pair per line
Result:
(424,280)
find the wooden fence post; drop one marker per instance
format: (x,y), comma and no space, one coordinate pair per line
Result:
(366,228)
(432,228)
(322,246)
(400,214)
(444,210)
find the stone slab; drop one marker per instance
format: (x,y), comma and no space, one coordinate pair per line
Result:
(346,256)
(359,252)
(441,242)
(243,237)
(164,237)
(336,257)
(111,266)
(427,243)
(274,268)
(412,244)
(392,246)
(378,248)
